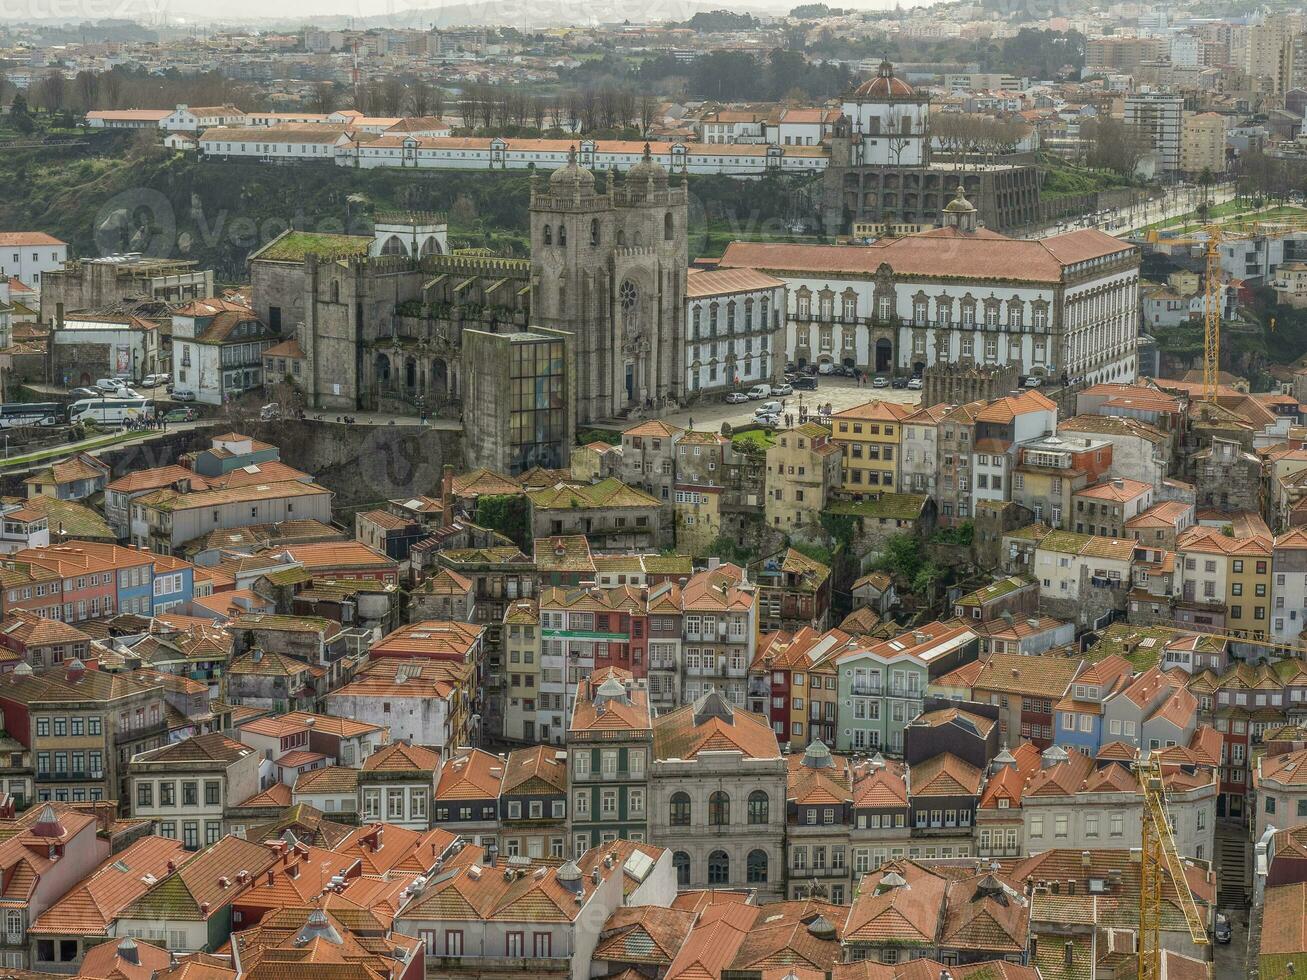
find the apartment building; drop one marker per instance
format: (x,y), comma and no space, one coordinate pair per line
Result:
(610,749)
(1105,508)
(717,790)
(165,519)
(719,627)
(1226,580)
(870,437)
(83,727)
(186,787)
(804,469)
(918,459)
(1026,689)
(1158,117)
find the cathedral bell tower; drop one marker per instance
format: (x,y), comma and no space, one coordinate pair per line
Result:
(608,264)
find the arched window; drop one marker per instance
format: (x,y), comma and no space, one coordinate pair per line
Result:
(669,227)
(549,235)
(719,868)
(756,868)
(562,234)
(680,810)
(697,316)
(335,291)
(594,231)
(681,862)
(719,809)
(394,245)
(759,807)
(730,317)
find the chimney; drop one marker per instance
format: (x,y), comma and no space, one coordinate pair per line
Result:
(1086,859)
(447,496)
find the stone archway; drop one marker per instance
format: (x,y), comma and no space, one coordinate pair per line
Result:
(441,390)
(410,373)
(884,356)
(381,369)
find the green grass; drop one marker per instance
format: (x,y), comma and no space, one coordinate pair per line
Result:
(758,440)
(712,241)
(1243,213)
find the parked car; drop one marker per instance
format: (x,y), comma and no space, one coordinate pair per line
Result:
(880,381)
(805,383)
(914,384)
(736,397)
(760,391)
(782,389)
(825,367)
(77,394)
(767,408)
(898,383)
(183,395)
(109,385)
(270,412)
(770,421)
(154,380)
(1034,382)
(181,415)
(1222,931)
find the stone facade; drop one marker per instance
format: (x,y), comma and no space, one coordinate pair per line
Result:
(609,264)
(726,803)
(1227,478)
(958,383)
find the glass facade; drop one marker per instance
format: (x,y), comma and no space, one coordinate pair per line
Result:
(538,416)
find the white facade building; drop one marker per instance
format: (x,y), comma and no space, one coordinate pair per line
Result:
(27,254)
(733,327)
(331,141)
(1159,117)
(888,120)
(1061,305)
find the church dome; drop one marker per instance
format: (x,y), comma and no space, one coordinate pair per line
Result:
(572,176)
(648,169)
(883,85)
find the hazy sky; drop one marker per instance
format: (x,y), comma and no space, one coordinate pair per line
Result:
(520,13)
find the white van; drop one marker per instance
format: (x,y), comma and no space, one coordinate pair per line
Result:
(759,391)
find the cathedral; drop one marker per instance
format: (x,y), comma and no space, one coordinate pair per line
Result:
(608,264)
(382,321)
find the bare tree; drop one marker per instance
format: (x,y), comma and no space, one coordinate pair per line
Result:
(392,96)
(419,98)
(53,90)
(87,84)
(323,99)
(538,111)
(648,112)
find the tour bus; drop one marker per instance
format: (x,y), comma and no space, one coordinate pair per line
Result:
(110,411)
(30,413)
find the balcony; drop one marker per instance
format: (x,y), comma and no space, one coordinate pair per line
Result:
(621,775)
(136,734)
(68,775)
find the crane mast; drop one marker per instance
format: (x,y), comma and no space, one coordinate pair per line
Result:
(1159,859)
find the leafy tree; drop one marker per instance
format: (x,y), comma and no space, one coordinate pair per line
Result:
(901,556)
(509,514)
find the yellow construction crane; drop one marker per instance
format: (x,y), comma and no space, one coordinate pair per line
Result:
(1214,234)
(1158,859)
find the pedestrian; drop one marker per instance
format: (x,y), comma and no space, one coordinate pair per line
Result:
(691,421)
